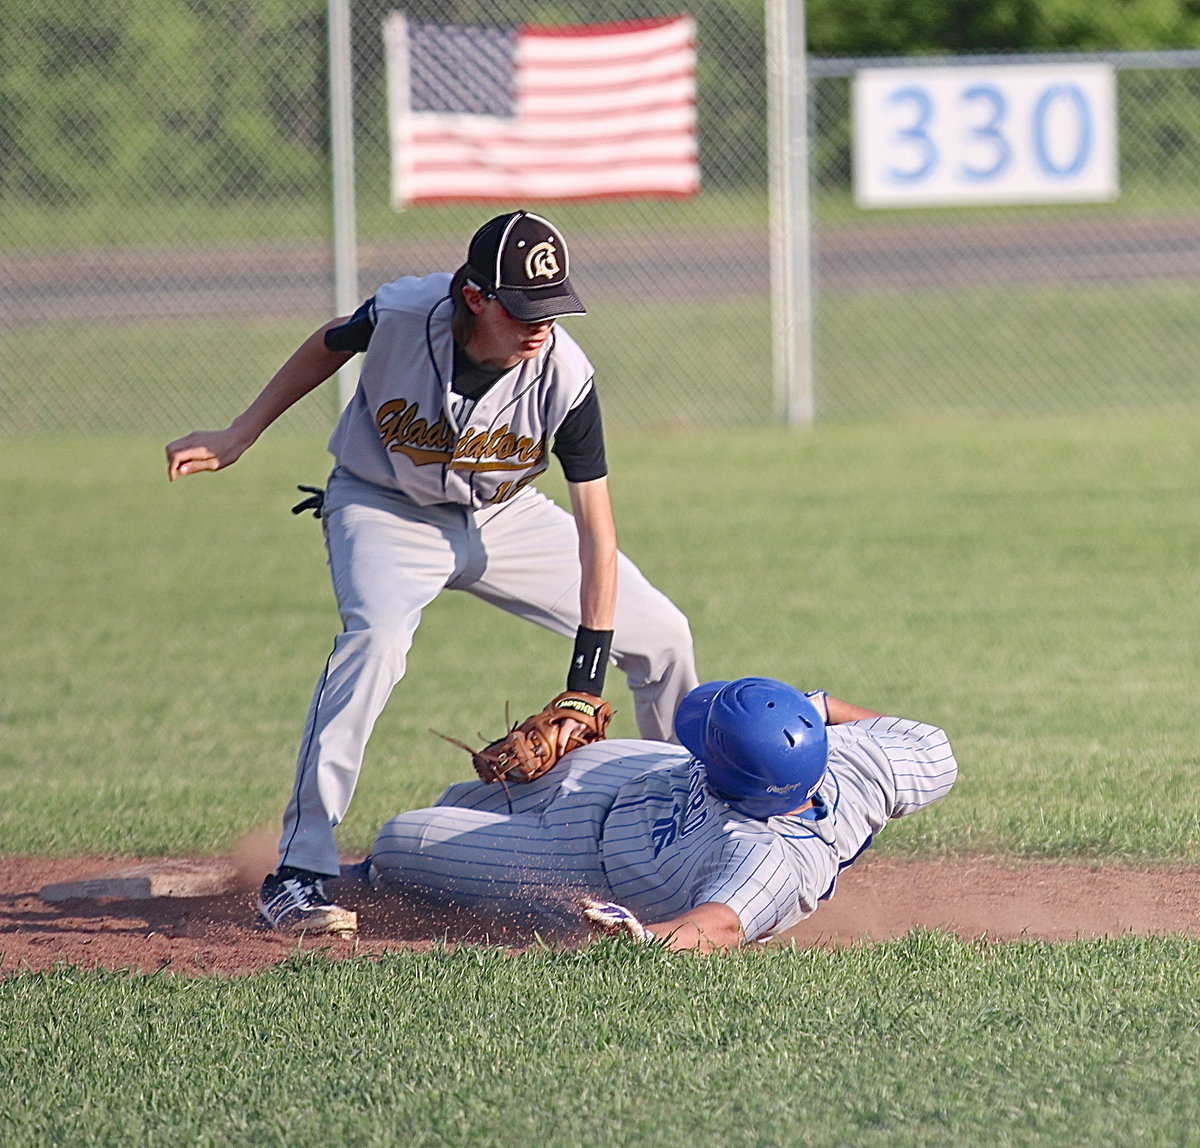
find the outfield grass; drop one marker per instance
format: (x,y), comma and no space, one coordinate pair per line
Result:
(82,227)
(995,350)
(921,1041)
(975,351)
(107,378)
(74,227)
(1030,585)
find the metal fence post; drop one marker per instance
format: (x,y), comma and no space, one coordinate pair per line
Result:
(791,263)
(341,133)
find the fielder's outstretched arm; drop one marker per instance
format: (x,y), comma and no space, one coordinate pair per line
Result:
(309,366)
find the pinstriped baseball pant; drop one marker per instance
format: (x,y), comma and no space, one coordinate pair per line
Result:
(471,850)
(389,558)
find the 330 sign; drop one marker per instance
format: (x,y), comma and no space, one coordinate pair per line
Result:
(984,134)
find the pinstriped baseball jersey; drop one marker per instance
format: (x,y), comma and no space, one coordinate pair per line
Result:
(634,822)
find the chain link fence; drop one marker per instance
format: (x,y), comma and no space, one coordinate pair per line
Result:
(1026,309)
(166,235)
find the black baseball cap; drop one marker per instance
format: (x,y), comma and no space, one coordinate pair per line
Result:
(521,258)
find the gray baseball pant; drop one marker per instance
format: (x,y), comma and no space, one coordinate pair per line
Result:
(389,558)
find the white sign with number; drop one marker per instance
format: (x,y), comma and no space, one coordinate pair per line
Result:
(1024,133)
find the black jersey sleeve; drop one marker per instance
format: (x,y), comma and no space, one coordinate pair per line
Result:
(579,444)
(355,333)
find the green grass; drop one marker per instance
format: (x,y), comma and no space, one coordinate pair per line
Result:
(920,1041)
(1029,585)
(73,227)
(107,377)
(31,227)
(976,351)
(1048,348)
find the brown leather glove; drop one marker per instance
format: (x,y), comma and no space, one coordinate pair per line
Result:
(531,748)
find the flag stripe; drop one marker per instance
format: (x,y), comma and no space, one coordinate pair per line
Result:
(486,183)
(452,153)
(475,164)
(479,131)
(566,193)
(600,41)
(441,144)
(584,111)
(619,131)
(533,83)
(572,105)
(575,31)
(610,72)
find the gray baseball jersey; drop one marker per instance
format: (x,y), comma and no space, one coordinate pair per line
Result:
(401,430)
(634,822)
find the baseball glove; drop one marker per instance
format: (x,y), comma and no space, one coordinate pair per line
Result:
(531,748)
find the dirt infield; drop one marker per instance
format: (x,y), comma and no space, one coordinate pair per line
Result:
(215,933)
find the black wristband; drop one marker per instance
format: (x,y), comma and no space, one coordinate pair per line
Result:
(589,661)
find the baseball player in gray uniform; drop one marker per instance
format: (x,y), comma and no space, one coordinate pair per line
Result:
(735,837)
(466,388)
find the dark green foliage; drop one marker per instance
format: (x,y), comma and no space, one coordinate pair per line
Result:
(102,98)
(1160,125)
(918,27)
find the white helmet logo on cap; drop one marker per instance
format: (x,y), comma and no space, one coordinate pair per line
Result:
(542,262)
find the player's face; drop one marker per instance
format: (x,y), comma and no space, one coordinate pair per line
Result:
(500,340)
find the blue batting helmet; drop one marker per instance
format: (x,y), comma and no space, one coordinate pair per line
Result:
(762,742)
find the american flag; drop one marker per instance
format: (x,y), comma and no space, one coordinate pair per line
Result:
(522,113)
